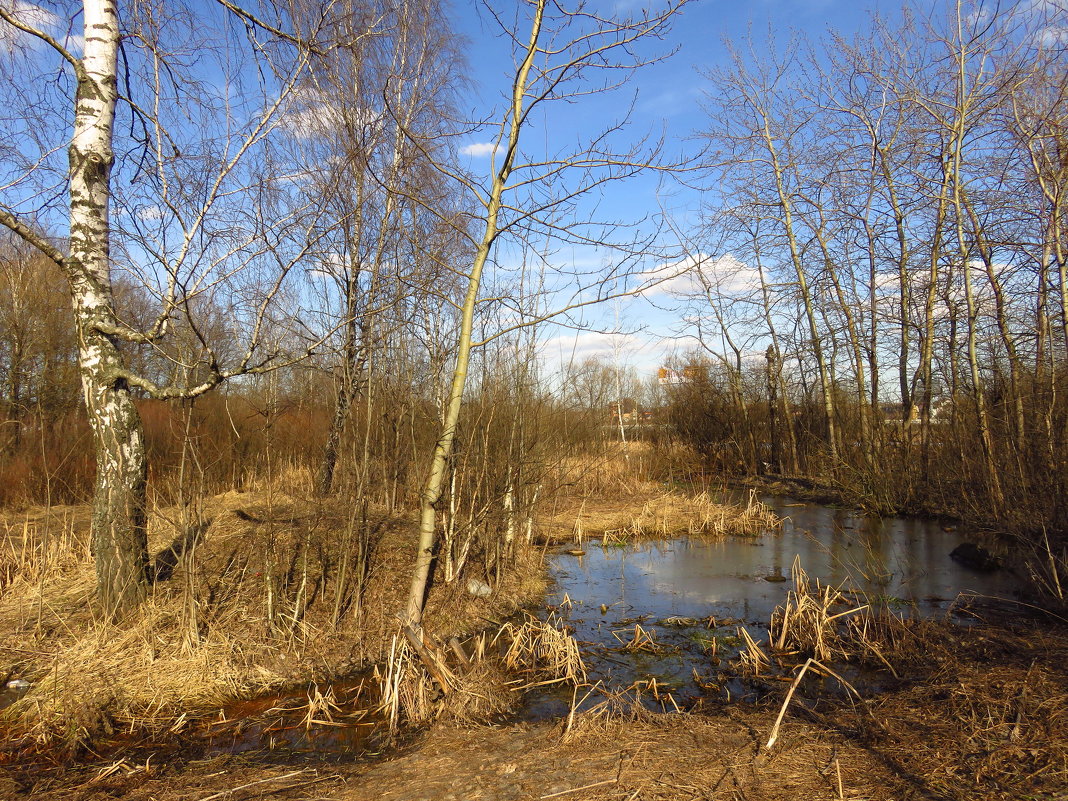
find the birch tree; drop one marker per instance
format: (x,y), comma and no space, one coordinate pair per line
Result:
(203,210)
(364,105)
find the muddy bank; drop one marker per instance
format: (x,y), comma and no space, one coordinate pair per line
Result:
(979,715)
(659,757)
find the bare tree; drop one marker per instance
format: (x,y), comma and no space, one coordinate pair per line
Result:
(204,209)
(364,103)
(761,120)
(554,60)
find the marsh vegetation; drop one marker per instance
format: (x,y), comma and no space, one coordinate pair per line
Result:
(294,503)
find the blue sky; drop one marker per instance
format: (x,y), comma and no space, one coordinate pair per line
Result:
(668,99)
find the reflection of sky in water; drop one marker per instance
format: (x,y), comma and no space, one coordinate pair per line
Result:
(894,557)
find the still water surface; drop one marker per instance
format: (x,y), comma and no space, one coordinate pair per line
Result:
(904,562)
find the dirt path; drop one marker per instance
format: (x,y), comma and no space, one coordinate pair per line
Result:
(679,757)
(676,758)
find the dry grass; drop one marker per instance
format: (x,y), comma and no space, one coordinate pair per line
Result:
(408,694)
(827,624)
(616,494)
(974,713)
(140,676)
(661,516)
(253,602)
(617,468)
(986,716)
(545,650)
(624,757)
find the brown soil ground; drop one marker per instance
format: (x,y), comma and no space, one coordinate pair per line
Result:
(662,757)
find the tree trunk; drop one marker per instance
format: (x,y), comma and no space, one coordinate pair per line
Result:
(775,459)
(432,487)
(119,540)
(787,222)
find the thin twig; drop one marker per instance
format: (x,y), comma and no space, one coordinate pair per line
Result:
(232,790)
(580,789)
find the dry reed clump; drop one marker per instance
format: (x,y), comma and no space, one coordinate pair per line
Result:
(617,707)
(1048,568)
(409,694)
(672,514)
(641,640)
(751,658)
(543,649)
(825,623)
(406,691)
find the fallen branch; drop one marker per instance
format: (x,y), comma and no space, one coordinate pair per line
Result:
(782,712)
(433,663)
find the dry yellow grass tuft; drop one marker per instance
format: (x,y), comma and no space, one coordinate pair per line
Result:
(663,515)
(615,494)
(828,624)
(544,649)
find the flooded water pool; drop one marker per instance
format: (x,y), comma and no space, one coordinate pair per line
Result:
(686,593)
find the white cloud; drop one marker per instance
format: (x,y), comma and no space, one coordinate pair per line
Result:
(702,274)
(644,351)
(1052,36)
(312,114)
(577,347)
(479,149)
(35,17)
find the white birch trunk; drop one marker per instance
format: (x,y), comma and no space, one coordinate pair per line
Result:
(118,524)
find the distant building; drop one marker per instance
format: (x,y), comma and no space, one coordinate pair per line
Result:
(629,412)
(669,376)
(625,410)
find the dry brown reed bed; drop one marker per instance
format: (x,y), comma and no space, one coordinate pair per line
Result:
(250,598)
(465,693)
(616,494)
(543,649)
(982,715)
